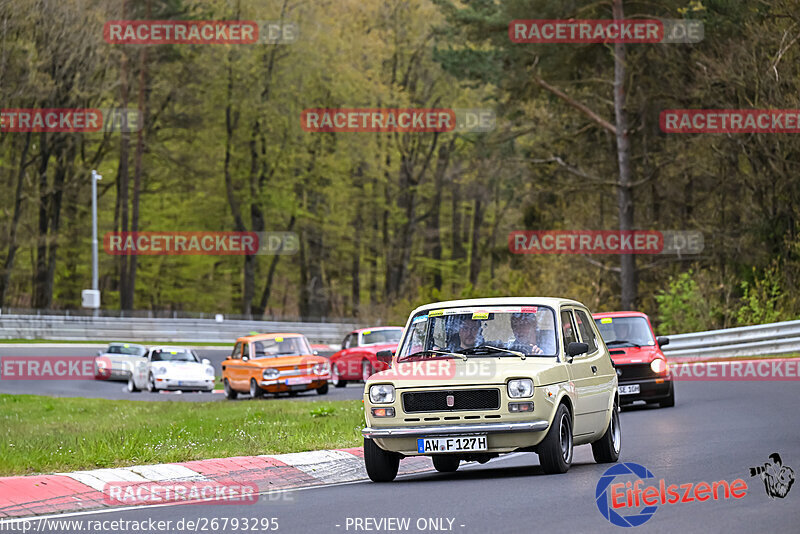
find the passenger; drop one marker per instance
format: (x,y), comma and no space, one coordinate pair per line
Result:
(526,338)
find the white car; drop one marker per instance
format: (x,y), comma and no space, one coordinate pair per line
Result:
(118,361)
(172,369)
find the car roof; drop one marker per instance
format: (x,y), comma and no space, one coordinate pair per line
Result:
(553,302)
(124,344)
(620,314)
(359,330)
(166,348)
(258,337)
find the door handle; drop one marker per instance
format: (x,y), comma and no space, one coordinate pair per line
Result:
(594,369)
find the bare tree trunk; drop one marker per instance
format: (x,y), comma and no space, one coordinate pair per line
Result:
(137,163)
(8,264)
(271,274)
(475,252)
(123,181)
(625,187)
(40,274)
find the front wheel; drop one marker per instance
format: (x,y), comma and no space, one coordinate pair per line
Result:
(255,390)
(366,370)
(445,463)
(555,451)
(669,402)
(606,449)
(323,390)
(151,383)
(336,377)
(381,465)
(230,393)
(132,386)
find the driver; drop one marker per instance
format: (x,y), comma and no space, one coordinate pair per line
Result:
(468,334)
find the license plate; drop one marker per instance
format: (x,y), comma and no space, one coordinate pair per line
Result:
(298,380)
(629,390)
(452,444)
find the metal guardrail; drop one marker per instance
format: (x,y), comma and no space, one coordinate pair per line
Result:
(80,328)
(758,340)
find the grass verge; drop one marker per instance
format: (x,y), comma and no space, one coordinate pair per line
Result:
(45,434)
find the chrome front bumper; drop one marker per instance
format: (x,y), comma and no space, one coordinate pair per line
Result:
(454,430)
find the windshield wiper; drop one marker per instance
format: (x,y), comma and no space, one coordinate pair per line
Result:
(492,348)
(619,341)
(432,351)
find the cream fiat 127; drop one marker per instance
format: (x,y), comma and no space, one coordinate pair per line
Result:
(473,379)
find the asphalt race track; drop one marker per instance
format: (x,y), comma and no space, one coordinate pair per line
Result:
(116,390)
(717,430)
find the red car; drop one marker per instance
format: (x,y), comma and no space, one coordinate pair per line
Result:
(358,358)
(642,370)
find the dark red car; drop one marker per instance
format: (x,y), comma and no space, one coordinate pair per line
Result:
(358,358)
(642,371)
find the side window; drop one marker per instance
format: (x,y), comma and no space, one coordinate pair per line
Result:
(567,329)
(237,351)
(346,341)
(586,331)
(352,341)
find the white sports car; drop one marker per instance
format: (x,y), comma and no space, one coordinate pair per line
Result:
(118,361)
(173,369)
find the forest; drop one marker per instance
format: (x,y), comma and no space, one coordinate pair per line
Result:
(387,221)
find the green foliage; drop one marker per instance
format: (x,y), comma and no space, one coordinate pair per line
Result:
(761,298)
(682,307)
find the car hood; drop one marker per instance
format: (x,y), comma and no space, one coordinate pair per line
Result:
(626,355)
(288,361)
(475,371)
(120,358)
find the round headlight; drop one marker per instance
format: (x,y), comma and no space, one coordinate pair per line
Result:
(160,370)
(520,388)
(270,373)
(210,371)
(100,363)
(658,366)
(320,369)
(381,393)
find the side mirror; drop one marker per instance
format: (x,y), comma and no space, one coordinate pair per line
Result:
(99,352)
(206,361)
(663,340)
(316,353)
(385,357)
(574,349)
(245,358)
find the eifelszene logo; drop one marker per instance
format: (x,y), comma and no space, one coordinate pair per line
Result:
(777,478)
(614,498)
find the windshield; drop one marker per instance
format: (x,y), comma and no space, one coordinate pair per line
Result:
(625,331)
(281,346)
(388,336)
(130,350)
(174,355)
(481,331)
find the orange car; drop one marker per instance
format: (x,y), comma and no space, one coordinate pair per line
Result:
(274,363)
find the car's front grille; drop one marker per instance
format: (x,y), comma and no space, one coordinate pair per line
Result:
(461,400)
(634,371)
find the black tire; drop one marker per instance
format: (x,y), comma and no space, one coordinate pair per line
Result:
(669,402)
(230,393)
(445,463)
(323,390)
(366,370)
(337,381)
(151,383)
(381,465)
(255,390)
(606,449)
(293,393)
(132,386)
(555,451)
